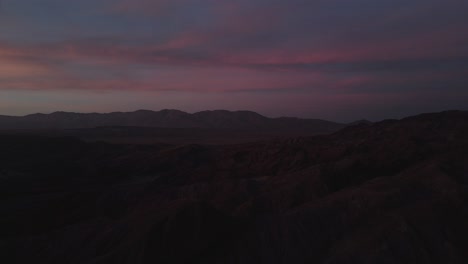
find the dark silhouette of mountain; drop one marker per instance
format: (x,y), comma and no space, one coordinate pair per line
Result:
(360,122)
(391,192)
(220,119)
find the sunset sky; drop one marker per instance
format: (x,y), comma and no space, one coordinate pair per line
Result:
(334,59)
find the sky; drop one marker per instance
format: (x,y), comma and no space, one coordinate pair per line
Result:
(340,60)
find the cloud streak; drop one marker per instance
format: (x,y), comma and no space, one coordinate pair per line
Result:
(323,48)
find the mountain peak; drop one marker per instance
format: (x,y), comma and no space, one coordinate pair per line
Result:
(143,111)
(361,122)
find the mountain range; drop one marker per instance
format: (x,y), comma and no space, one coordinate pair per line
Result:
(218,119)
(389,192)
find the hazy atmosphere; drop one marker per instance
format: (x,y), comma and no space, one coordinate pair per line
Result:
(338,60)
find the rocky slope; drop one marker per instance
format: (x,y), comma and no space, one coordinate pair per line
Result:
(388,192)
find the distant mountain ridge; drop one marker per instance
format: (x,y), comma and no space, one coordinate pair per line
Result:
(361,122)
(168,118)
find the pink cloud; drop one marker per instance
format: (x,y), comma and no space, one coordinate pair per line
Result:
(183,40)
(40,65)
(14,64)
